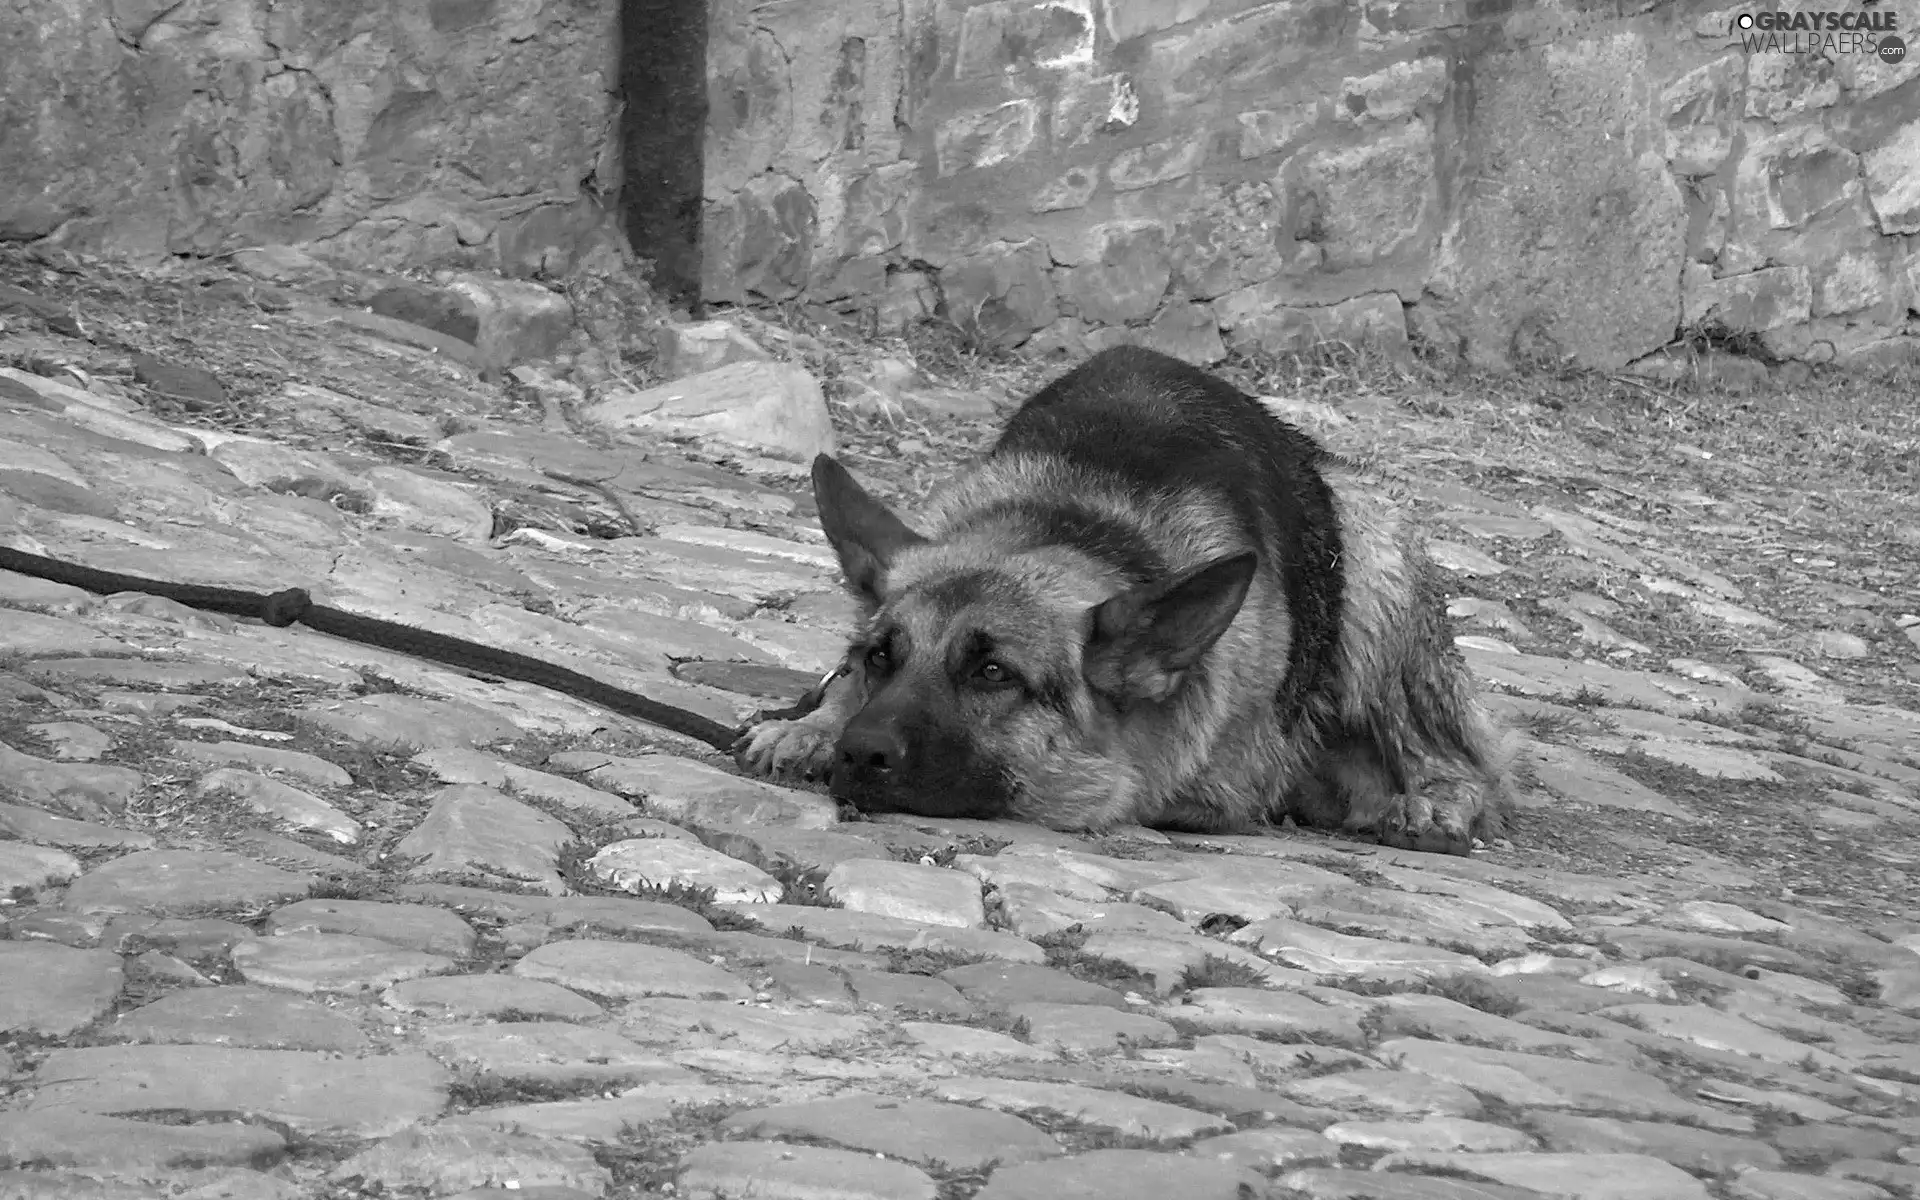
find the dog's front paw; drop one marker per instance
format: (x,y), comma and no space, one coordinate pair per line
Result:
(795,750)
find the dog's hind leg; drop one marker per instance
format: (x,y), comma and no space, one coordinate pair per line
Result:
(1417,759)
(1458,757)
(1435,782)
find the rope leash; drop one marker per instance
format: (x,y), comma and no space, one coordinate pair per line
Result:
(295,606)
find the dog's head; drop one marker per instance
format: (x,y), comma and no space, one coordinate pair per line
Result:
(1000,661)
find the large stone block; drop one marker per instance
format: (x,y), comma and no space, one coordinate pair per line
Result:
(181,147)
(425,230)
(1011,35)
(1695,367)
(1252,318)
(1707,209)
(1126,278)
(1371,201)
(1385,23)
(1395,92)
(1897,353)
(749,105)
(701,346)
(1234,235)
(1868,76)
(1129,19)
(518,321)
(1255,51)
(955,220)
(776,407)
(396,155)
(1780,86)
(306,35)
(1004,292)
(758,241)
(65,107)
(856,279)
(256,151)
(442,310)
(1866,122)
(873,220)
(1089,107)
(1063,340)
(1187,331)
(1703,113)
(500,115)
(814,90)
(1857,281)
(1573,228)
(1844,343)
(987,137)
(1266,130)
(546,242)
(907,298)
(1853,270)
(1787,178)
(1071,190)
(146,128)
(1752,303)
(1157,162)
(1893,180)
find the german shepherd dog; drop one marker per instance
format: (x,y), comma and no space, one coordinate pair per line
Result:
(1152,601)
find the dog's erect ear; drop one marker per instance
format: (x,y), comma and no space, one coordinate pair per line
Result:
(1139,641)
(864,533)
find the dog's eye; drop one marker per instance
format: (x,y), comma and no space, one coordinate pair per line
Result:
(879,660)
(994,674)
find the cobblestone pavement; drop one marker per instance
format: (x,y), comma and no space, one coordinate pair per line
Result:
(290,917)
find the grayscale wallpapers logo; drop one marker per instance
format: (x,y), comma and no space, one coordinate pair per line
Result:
(1863,32)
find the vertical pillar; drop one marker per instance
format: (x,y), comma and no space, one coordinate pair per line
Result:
(663,78)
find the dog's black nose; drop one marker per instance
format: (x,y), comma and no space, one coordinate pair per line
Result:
(871,749)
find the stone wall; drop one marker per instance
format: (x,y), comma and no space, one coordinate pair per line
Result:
(389,133)
(1502,180)
(1496,178)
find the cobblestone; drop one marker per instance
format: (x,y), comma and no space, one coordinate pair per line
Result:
(283,916)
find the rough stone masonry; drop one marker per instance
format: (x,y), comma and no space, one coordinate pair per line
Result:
(1498,181)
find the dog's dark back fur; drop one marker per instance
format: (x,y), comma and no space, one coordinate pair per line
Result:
(1156,424)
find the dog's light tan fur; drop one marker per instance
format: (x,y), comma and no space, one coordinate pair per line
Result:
(1220,758)
(1101,628)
